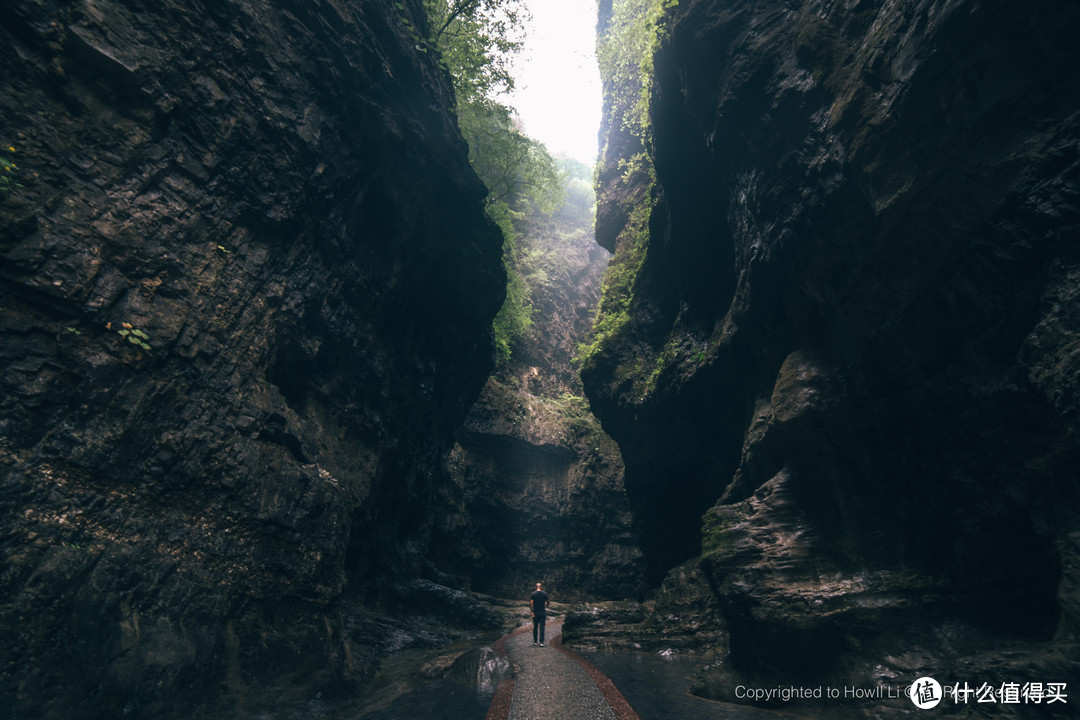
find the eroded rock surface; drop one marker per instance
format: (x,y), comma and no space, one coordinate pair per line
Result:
(246,296)
(851,344)
(538,490)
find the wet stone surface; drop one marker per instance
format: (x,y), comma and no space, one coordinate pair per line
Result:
(550,685)
(658,688)
(442,699)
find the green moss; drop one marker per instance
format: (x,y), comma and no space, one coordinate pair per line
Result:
(617,289)
(580,421)
(515,316)
(645,368)
(625,53)
(625,56)
(715,530)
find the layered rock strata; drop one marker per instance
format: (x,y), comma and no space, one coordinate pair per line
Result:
(246,295)
(849,358)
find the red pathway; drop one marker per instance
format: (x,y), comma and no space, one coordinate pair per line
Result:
(504,699)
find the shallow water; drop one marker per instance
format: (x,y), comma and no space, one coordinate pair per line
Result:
(441,699)
(462,692)
(658,687)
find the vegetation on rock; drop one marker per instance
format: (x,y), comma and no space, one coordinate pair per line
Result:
(625,56)
(9,173)
(540,493)
(838,317)
(477,40)
(534,465)
(627,179)
(275,198)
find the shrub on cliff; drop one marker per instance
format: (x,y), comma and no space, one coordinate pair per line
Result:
(9,173)
(476,41)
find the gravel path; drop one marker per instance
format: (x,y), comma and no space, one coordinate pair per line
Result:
(550,684)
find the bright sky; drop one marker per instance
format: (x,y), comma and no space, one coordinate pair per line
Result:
(557,93)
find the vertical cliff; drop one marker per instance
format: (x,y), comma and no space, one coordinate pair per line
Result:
(246,297)
(845,370)
(538,490)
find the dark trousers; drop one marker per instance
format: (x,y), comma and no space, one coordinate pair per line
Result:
(538,627)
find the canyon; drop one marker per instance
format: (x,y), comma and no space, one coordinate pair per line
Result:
(537,486)
(254,439)
(274,199)
(840,365)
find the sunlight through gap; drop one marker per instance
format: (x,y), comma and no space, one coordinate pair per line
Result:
(557,93)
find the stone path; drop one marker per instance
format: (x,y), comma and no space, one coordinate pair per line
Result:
(552,684)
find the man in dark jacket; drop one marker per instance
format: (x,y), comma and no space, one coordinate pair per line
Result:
(538,605)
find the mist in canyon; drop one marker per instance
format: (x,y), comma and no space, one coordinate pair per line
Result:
(797,397)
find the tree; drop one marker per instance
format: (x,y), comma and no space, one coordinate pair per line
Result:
(580,201)
(515,168)
(477,40)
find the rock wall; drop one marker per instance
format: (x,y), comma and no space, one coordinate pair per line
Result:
(538,491)
(246,298)
(852,340)
(538,497)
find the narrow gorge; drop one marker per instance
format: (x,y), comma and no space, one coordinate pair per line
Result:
(275,196)
(841,357)
(258,437)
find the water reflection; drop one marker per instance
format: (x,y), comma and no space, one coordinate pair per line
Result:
(491,669)
(442,699)
(657,686)
(461,691)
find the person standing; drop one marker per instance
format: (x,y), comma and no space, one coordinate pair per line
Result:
(538,605)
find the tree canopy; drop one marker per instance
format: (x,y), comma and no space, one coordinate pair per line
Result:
(477,40)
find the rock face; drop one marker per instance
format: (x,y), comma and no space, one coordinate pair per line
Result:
(538,490)
(246,297)
(852,340)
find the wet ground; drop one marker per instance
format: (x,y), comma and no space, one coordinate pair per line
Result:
(418,686)
(656,686)
(437,700)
